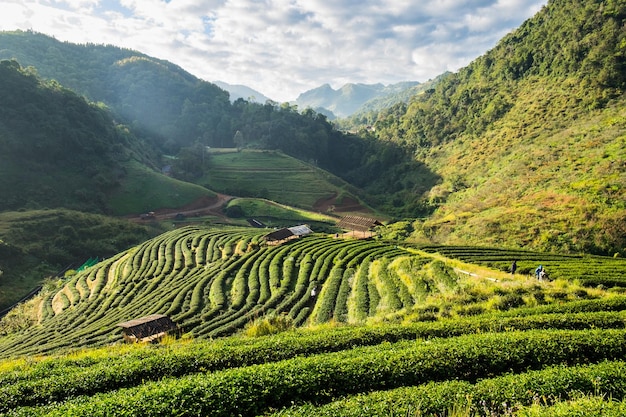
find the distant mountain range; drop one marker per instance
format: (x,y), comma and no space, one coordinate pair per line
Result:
(340,103)
(238,91)
(348,99)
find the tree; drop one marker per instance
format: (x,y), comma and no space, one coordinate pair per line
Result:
(239,139)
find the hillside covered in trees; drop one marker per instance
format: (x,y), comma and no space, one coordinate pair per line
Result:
(530,137)
(517,160)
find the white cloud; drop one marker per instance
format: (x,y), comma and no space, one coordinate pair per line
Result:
(284,47)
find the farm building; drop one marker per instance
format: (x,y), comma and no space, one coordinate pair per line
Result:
(301,230)
(358,224)
(287,233)
(148,328)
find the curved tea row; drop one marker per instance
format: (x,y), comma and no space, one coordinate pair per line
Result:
(212,282)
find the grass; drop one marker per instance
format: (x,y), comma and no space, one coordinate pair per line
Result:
(562,186)
(271,212)
(271,175)
(144,190)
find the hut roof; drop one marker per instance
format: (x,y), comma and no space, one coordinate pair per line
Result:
(301,230)
(287,232)
(279,234)
(361,224)
(145,327)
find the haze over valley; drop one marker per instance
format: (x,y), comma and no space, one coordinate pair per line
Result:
(336,248)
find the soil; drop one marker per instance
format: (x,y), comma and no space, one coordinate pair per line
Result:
(205,206)
(348,205)
(212,206)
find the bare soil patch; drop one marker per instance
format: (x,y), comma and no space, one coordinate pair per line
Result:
(347,205)
(203,206)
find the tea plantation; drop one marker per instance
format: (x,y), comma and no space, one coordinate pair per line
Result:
(374,328)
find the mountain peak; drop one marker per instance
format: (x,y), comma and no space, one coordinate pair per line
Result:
(350,97)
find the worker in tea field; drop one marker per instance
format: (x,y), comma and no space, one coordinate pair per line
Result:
(514,267)
(540,273)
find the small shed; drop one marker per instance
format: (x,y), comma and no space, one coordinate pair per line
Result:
(359,224)
(147,329)
(278,235)
(288,233)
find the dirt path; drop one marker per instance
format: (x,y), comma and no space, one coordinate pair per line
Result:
(205,206)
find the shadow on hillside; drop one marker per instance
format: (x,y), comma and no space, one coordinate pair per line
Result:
(393,180)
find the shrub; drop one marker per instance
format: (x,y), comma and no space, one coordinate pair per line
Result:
(269,325)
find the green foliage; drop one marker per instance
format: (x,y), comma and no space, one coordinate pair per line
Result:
(51,136)
(215,281)
(530,131)
(257,389)
(268,325)
(145,190)
(37,244)
(591,390)
(276,177)
(589,270)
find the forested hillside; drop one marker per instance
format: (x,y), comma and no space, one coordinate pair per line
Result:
(57,149)
(173,108)
(530,138)
(177,113)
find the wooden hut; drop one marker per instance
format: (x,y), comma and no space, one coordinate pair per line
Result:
(364,225)
(147,329)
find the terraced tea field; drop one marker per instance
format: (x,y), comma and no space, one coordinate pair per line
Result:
(212,282)
(587,269)
(391,330)
(274,176)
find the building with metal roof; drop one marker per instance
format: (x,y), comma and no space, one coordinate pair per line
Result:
(287,233)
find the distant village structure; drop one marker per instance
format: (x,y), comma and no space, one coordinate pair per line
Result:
(282,235)
(148,329)
(364,225)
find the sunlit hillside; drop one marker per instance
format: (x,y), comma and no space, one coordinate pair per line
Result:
(529,139)
(319,325)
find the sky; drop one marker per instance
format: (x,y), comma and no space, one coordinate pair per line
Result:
(282,48)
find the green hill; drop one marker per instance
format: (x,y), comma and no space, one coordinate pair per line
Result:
(142,91)
(216,281)
(438,327)
(529,138)
(281,178)
(60,153)
(523,148)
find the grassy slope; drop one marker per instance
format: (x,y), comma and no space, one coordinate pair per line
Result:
(144,190)
(275,214)
(554,182)
(274,176)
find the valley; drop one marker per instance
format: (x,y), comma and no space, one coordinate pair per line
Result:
(273,262)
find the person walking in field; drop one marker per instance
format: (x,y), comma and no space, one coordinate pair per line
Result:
(540,273)
(513,267)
